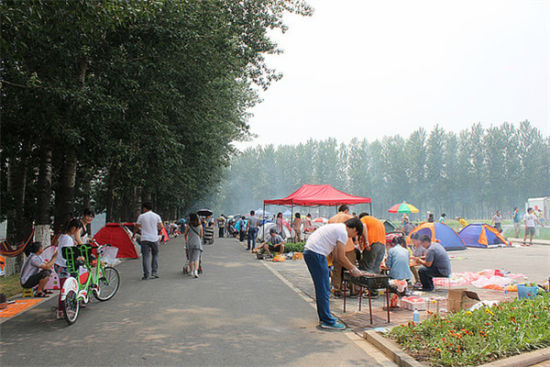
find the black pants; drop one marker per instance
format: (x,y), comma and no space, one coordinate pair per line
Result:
(241,235)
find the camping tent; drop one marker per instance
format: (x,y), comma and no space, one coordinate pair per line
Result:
(448,238)
(119,236)
(481,235)
(388,226)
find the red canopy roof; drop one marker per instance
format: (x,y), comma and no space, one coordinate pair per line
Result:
(309,195)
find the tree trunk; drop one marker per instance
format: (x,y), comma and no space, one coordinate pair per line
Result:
(111,182)
(16,188)
(44,186)
(64,195)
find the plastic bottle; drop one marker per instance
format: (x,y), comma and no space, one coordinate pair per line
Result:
(416,316)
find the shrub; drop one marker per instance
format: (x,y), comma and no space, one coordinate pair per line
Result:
(469,338)
(295,247)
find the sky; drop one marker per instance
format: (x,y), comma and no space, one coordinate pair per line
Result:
(369,69)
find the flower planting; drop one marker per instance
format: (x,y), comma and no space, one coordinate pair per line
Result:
(470,338)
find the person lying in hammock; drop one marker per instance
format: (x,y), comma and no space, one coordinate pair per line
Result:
(35,270)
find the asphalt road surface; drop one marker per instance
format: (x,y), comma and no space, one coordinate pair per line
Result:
(238,313)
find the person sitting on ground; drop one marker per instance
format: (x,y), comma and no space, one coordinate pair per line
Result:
(374,246)
(36,272)
(273,243)
(430,218)
(436,264)
(398,260)
(417,251)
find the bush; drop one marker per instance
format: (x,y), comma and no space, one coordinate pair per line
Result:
(469,338)
(295,247)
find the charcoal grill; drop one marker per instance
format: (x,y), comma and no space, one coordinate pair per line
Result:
(371,283)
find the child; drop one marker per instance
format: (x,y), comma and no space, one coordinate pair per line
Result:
(65,240)
(36,271)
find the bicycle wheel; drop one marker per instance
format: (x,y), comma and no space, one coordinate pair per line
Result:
(70,307)
(108,284)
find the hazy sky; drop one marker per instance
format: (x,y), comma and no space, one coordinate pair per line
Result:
(379,68)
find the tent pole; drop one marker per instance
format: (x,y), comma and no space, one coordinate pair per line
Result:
(263,224)
(370,205)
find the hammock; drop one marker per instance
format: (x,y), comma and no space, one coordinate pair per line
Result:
(7,250)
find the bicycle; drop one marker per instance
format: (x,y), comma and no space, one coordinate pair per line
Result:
(103,281)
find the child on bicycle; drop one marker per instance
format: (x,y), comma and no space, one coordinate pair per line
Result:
(36,272)
(60,266)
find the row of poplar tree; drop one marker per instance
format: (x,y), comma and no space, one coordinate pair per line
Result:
(107,103)
(470,174)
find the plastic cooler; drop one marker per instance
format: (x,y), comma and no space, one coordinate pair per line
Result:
(525,292)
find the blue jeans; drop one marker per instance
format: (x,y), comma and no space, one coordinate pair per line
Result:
(426,276)
(148,247)
(318,268)
(251,236)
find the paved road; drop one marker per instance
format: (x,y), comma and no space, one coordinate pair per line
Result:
(238,313)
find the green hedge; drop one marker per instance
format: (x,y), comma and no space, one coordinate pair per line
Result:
(295,247)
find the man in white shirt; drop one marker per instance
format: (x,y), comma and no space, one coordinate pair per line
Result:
(150,225)
(529,219)
(327,239)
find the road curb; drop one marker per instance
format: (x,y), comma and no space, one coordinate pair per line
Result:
(522,360)
(394,352)
(391,350)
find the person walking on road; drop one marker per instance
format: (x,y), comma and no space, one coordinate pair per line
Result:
(193,238)
(327,239)
(251,228)
(150,225)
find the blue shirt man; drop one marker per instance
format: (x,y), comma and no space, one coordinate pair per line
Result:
(436,265)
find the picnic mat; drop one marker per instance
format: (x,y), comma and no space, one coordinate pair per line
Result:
(19,306)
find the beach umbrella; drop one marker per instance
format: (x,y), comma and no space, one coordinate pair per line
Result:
(403,207)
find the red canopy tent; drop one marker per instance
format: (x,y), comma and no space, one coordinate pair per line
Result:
(318,195)
(312,195)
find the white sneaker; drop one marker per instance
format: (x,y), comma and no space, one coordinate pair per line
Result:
(196,275)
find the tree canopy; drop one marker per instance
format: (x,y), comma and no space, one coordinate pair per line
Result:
(109,103)
(469,174)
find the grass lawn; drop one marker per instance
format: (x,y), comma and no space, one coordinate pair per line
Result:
(10,285)
(508,228)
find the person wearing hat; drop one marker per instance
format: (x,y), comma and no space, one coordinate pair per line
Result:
(274,242)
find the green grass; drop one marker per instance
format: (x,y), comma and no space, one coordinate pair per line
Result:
(507,224)
(472,338)
(10,285)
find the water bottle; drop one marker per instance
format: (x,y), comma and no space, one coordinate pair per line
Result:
(416,316)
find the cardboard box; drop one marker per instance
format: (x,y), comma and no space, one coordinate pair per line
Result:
(461,299)
(413,303)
